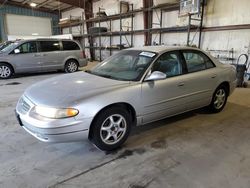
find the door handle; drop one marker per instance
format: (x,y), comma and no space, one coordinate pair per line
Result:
(214,76)
(36,55)
(181,84)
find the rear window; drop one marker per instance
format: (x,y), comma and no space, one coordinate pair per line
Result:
(197,61)
(70,45)
(49,46)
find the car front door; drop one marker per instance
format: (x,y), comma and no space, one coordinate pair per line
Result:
(26,58)
(162,98)
(201,80)
(50,51)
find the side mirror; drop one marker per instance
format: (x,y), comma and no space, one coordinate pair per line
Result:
(156,75)
(16,51)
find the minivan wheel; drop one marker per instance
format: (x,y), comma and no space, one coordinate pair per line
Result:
(219,99)
(71,66)
(111,128)
(6,71)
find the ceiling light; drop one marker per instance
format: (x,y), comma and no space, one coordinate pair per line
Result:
(33,4)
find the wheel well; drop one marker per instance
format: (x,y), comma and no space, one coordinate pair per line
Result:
(127,106)
(70,59)
(226,85)
(9,65)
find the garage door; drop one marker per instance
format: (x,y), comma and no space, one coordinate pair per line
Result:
(27,25)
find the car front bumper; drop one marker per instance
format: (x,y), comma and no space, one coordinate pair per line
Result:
(53,130)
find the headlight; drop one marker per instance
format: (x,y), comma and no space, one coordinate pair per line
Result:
(56,113)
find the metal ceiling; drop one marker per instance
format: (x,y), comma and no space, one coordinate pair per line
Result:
(48,5)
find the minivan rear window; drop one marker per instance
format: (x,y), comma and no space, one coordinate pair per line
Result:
(49,46)
(69,45)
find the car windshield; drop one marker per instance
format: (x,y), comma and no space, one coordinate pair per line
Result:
(127,65)
(8,46)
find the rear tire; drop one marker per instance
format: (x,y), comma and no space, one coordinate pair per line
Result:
(219,99)
(71,66)
(6,71)
(111,128)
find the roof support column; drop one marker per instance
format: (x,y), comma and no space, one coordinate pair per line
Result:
(88,10)
(148,19)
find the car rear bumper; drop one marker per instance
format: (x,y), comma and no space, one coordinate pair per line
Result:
(83,62)
(232,86)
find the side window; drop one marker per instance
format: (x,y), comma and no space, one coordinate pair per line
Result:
(49,46)
(197,61)
(168,63)
(28,47)
(69,45)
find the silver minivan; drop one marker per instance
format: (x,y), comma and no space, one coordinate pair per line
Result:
(41,55)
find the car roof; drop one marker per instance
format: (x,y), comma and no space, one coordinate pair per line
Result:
(159,49)
(44,39)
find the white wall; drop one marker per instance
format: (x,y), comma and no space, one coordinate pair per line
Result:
(217,13)
(227,12)
(77,12)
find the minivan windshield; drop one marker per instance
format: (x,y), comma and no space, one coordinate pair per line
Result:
(127,65)
(9,46)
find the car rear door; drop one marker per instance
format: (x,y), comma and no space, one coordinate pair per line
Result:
(50,51)
(201,80)
(70,50)
(161,98)
(26,57)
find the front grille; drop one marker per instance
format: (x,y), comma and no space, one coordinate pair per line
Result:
(23,106)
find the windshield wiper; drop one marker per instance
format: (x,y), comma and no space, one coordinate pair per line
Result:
(105,75)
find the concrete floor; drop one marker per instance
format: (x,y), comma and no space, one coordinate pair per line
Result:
(193,150)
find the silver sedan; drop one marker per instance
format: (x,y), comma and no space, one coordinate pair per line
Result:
(133,87)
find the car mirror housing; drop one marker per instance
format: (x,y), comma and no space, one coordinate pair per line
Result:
(16,51)
(156,75)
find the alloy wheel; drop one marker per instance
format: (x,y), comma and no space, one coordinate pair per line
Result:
(220,98)
(72,67)
(113,129)
(5,71)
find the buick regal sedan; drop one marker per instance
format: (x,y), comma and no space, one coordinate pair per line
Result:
(133,87)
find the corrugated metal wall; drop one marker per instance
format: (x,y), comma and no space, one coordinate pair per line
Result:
(7,9)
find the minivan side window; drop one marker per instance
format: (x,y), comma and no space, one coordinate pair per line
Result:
(70,45)
(49,46)
(28,47)
(169,63)
(197,61)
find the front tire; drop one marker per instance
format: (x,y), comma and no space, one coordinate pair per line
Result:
(71,66)
(6,71)
(219,99)
(111,128)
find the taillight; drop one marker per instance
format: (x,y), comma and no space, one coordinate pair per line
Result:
(83,54)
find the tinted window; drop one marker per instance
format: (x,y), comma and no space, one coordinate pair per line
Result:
(197,61)
(168,63)
(49,46)
(28,47)
(69,45)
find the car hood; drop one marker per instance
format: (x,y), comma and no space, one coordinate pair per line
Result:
(70,89)
(2,53)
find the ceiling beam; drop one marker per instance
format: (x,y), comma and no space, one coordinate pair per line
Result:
(67,9)
(76,3)
(28,6)
(44,3)
(25,1)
